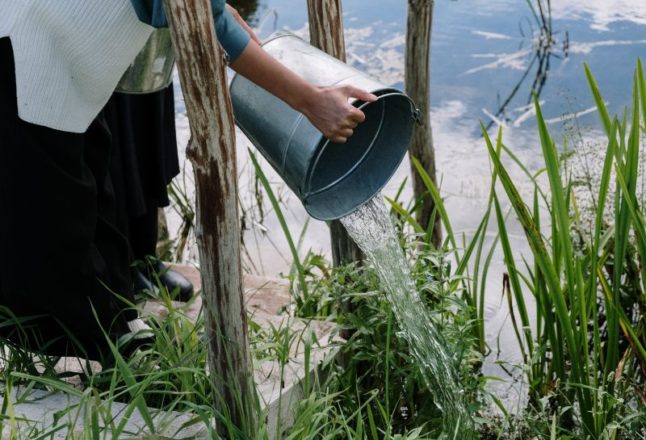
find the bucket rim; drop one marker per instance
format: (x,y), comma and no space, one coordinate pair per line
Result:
(281,33)
(325,142)
(387,92)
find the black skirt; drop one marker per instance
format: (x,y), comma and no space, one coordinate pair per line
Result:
(144,148)
(64,264)
(144,161)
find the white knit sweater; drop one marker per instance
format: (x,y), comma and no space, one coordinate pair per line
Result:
(69,56)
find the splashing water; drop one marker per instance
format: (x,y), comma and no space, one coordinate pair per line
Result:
(371,229)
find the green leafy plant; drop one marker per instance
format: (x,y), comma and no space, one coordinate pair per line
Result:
(585,338)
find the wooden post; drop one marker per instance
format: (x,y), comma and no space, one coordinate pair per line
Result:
(212,151)
(326,27)
(326,33)
(417,73)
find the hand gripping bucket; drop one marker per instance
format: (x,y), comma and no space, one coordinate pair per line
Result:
(330,179)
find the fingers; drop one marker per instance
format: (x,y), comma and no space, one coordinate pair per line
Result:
(346,132)
(354,92)
(341,136)
(356,115)
(347,125)
(348,122)
(333,115)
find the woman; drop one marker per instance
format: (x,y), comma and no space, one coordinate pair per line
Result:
(64,276)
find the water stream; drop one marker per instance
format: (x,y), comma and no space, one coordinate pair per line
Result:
(372,230)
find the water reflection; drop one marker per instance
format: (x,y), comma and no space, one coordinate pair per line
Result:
(601,14)
(464,90)
(487,58)
(544,49)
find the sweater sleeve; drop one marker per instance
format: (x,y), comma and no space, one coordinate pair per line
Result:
(230,34)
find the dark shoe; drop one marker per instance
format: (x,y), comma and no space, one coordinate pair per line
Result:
(143,285)
(177,285)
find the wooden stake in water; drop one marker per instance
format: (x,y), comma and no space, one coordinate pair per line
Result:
(371,229)
(418,85)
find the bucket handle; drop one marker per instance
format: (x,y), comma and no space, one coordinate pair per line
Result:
(415,114)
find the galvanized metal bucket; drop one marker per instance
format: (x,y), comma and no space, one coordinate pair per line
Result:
(152,69)
(331,179)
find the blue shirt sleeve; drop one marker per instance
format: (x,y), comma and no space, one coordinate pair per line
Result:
(230,34)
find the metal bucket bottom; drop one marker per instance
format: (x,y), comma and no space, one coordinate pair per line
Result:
(342,177)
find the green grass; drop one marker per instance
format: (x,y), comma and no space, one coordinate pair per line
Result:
(349,400)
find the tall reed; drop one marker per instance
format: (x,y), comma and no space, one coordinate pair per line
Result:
(576,284)
(583,348)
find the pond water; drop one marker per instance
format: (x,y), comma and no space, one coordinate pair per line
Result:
(485,62)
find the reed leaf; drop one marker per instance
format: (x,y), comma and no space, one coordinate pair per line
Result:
(300,271)
(526,344)
(554,292)
(598,99)
(437,199)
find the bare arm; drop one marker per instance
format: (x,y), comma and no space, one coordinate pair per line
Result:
(235,14)
(327,108)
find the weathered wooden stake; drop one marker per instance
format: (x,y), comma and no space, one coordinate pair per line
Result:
(326,27)
(417,73)
(326,33)
(211,149)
